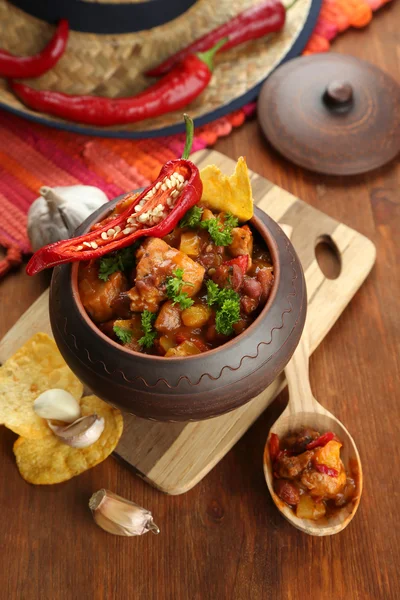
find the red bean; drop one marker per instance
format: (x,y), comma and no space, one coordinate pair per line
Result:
(266,278)
(287,491)
(252,288)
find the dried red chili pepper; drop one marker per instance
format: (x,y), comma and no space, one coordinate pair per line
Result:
(322,440)
(34,66)
(274,446)
(154,212)
(173,92)
(255,22)
(327,470)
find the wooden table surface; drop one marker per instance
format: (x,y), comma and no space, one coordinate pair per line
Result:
(224,539)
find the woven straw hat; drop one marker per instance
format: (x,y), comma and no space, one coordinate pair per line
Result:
(112,64)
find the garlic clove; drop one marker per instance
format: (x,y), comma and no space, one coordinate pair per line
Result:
(119,516)
(58,405)
(82,433)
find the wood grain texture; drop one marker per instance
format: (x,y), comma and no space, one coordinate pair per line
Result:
(175,458)
(225,540)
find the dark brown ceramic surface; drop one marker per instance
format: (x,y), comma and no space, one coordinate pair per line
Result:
(190,388)
(332,114)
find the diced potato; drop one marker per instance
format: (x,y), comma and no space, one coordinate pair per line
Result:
(196,315)
(187,348)
(166,343)
(207,214)
(329,455)
(190,243)
(133,324)
(169,317)
(308,509)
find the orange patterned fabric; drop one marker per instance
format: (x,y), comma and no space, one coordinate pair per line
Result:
(32,155)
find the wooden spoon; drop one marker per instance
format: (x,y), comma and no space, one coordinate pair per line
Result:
(303,410)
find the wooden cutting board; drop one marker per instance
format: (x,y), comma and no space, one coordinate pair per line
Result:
(175,456)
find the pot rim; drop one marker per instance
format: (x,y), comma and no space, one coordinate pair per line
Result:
(269,240)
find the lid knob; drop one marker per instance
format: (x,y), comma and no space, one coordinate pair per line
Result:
(338,95)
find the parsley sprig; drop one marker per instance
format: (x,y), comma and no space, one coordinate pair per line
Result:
(227,302)
(192,218)
(123,334)
(220,232)
(150,335)
(174,284)
(121,260)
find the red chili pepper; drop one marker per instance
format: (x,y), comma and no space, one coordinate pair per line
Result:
(322,440)
(327,470)
(241,261)
(274,446)
(34,66)
(154,212)
(255,22)
(173,92)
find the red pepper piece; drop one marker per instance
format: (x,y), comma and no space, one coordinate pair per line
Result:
(274,446)
(322,440)
(255,22)
(154,212)
(241,261)
(173,92)
(327,470)
(34,66)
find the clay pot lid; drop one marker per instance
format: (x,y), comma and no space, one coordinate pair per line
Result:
(332,113)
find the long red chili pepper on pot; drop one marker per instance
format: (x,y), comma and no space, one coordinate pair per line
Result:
(34,66)
(154,212)
(255,22)
(173,92)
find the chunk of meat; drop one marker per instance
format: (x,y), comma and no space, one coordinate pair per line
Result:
(242,242)
(228,276)
(169,318)
(290,467)
(266,278)
(156,261)
(121,306)
(97,296)
(321,485)
(297,442)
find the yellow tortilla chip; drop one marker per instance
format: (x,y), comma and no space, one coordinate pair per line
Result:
(35,368)
(47,460)
(228,194)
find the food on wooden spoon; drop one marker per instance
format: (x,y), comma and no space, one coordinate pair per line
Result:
(119,516)
(309,475)
(51,460)
(35,368)
(58,211)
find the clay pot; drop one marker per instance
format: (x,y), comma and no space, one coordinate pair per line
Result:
(186,388)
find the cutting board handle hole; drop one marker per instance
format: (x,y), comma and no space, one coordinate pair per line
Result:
(328,257)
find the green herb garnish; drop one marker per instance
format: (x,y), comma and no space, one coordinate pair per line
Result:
(148,319)
(192,218)
(220,232)
(175,283)
(123,334)
(228,307)
(121,260)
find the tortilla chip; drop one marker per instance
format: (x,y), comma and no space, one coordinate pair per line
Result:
(47,460)
(228,194)
(35,368)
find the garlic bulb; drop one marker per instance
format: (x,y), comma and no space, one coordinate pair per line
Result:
(59,211)
(82,433)
(120,516)
(57,404)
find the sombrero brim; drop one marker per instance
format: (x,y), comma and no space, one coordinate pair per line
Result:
(113,65)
